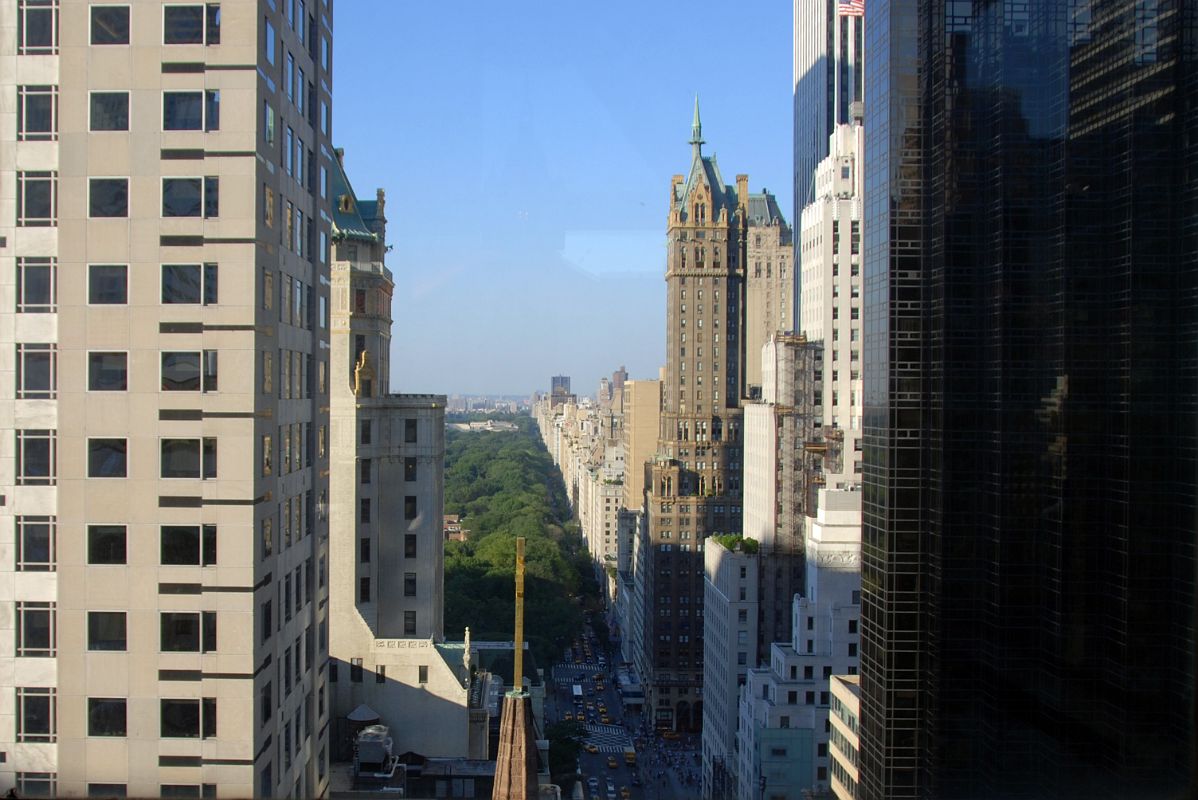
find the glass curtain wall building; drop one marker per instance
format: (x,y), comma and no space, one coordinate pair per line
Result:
(1031,244)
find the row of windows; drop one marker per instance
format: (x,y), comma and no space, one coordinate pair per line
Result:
(108,111)
(37,716)
(108,198)
(108,371)
(107,544)
(37,457)
(37,25)
(295,450)
(180,631)
(108,284)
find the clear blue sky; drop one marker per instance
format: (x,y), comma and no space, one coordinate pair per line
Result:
(526,149)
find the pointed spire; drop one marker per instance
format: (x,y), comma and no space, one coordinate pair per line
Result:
(697,130)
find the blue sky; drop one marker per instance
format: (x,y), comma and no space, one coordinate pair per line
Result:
(526,149)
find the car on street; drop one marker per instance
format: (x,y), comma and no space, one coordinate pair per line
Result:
(611,762)
(591,747)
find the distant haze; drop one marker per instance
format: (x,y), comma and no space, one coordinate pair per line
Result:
(526,150)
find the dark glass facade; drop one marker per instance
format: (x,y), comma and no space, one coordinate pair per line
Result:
(1031,424)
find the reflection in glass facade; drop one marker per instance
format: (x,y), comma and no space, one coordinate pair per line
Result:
(1031,430)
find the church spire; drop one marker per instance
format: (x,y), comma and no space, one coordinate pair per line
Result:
(697,131)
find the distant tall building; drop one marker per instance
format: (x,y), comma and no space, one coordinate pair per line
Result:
(829,57)
(831,295)
(769,283)
(164,271)
(1031,419)
(694,483)
(559,388)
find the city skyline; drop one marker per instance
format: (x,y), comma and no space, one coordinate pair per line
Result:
(519,126)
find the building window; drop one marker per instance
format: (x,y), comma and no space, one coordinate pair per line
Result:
(37,285)
(36,543)
(409,507)
(267,625)
(107,284)
(36,630)
(106,716)
(37,199)
(193,371)
(355,670)
(409,469)
(364,551)
(110,25)
(107,372)
(190,197)
(364,510)
(37,784)
(188,719)
(108,111)
(37,369)
(106,631)
(37,113)
(364,432)
(188,545)
(364,470)
(36,714)
(107,790)
(409,545)
(409,431)
(409,623)
(37,27)
(187,631)
(106,544)
(191,111)
(192,284)
(268,455)
(107,458)
(36,457)
(108,198)
(852,650)
(364,590)
(198,24)
(189,458)
(409,584)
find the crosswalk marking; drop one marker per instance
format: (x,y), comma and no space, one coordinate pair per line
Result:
(608,738)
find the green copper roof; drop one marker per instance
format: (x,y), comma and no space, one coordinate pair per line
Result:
(348,222)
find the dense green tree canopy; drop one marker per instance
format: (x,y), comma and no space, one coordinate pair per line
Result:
(504,485)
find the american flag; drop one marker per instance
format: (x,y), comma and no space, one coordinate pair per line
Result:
(850,8)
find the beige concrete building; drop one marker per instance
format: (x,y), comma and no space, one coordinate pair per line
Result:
(163,305)
(830,263)
(386,524)
(642,415)
(769,282)
(844,742)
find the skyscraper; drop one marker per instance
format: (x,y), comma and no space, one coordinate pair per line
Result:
(1031,261)
(694,479)
(828,71)
(164,263)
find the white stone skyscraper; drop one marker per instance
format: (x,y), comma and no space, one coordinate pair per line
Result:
(164,263)
(830,304)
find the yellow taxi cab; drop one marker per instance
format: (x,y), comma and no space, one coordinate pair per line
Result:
(606,720)
(611,762)
(568,716)
(591,748)
(625,792)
